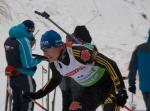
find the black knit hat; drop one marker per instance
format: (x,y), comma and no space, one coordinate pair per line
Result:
(82,33)
(28,23)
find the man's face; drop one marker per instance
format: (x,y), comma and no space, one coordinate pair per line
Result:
(52,53)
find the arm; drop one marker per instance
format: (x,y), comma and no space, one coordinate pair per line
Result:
(133,69)
(25,54)
(120,97)
(85,56)
(50,85)
(132,72)
(113,70)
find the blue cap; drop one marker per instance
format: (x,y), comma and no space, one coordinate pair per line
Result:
(51,39)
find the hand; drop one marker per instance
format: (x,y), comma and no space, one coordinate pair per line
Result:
(28,95)
(132,89)
(121,98)
(11,71)
(75,105)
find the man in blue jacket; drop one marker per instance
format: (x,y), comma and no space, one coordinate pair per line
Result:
(20,64)
(140,62)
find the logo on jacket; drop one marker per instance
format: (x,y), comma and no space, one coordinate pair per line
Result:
(75,71)
(85,55)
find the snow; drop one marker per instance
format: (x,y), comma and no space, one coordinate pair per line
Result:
(117,27)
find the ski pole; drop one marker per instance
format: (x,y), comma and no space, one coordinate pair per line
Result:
(36,32)
(133,105)
(42,80)
(128,108)
(32,100)
(48,77)
(38,104)
(7,96)
(53,102)
(132,101)
(10,102)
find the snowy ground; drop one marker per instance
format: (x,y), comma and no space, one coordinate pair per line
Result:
(117,27)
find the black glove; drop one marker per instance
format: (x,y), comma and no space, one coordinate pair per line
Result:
(132,89)
(40,57)
(121,98)
(33,68)
(29,96)
(34,95)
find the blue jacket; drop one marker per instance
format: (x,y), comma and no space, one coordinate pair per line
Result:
(28,63)
(140,62)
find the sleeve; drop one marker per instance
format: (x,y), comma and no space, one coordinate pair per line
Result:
(112,68)
(50,85)
(83,54)
(133,68)
(26,56)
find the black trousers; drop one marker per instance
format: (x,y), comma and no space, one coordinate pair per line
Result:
(66,100)
(95,96)
(91,97)
(20,84)
(70,90)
